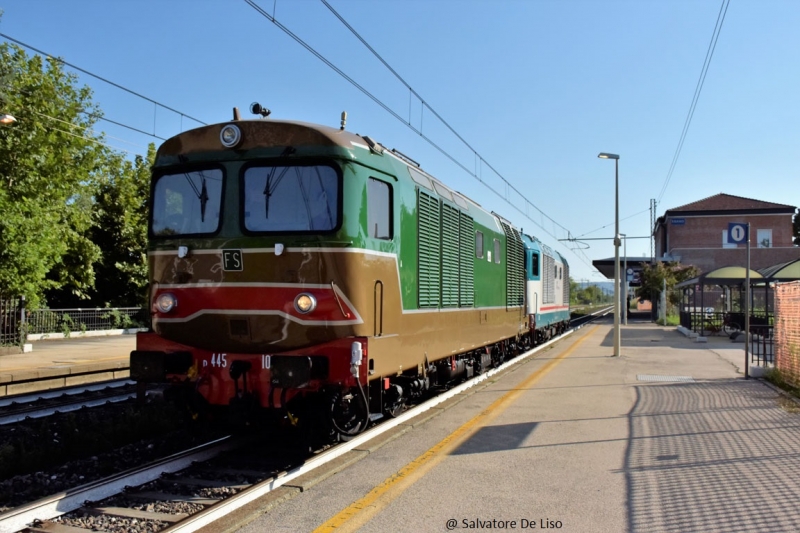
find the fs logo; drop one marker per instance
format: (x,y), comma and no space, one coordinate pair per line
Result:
(232,260)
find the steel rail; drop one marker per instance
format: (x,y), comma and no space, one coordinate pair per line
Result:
(55,393)
(64,502)
(66,407)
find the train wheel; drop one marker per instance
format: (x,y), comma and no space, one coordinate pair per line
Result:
(347,413)
(395,401)
(497,356)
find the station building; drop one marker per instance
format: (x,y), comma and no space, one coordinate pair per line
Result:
(697,233)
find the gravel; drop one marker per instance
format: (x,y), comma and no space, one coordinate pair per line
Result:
(64,451)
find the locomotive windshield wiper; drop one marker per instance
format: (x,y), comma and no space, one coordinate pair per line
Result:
(289,150)
(202,194)
(270,188)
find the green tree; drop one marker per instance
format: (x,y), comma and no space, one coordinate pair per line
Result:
(121,233)
(49,164)
(653,277)
(591,294)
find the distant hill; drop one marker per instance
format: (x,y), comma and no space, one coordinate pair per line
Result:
(606,286)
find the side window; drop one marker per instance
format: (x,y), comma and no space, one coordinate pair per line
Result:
(555,271)
(497,251)
(379,209)
(764,238)
(535,265)
(479,244)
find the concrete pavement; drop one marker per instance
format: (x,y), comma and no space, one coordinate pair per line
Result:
(66,362)
(669,438)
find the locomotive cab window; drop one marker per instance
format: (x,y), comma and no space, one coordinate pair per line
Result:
(479,244)
(497,251)
(187,203)
(291,198)
(535,265)
(379,209)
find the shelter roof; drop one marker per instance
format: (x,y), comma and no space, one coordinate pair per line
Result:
(788,271)
(606,266)
(725,276)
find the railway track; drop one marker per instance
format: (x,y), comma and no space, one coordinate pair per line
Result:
(45,403)
(190,490)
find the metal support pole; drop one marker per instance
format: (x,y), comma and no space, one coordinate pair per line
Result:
(625,290)
(617,341)
(747,310)
(615,157)
(22,329)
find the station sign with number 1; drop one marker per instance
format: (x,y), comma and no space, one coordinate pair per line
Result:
(737,232)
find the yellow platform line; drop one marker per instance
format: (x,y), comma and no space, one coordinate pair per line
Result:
(360,512)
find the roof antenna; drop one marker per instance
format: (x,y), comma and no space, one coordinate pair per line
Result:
(236,113)
(344,119)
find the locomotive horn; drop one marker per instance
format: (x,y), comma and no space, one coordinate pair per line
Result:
(256,109)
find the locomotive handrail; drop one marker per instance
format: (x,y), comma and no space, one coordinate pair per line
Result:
(376,331)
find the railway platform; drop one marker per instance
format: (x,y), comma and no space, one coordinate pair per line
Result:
(66,362)
(667,437)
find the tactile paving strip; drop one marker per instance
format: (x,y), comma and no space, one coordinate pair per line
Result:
(654,377)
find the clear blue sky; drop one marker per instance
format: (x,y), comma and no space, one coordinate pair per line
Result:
(538,88)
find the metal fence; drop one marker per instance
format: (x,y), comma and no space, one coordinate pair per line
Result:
(16,322)
(80,320)
(762,339)
(730,324)
(10,313)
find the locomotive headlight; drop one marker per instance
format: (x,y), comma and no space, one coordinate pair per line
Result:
(230,136)
(305,303)
(166,302)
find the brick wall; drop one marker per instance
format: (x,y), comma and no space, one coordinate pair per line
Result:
(708,259)
(787,330)
(697,241)
(706,231)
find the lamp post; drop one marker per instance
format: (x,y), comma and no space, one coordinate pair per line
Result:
(625,279)
(615,157)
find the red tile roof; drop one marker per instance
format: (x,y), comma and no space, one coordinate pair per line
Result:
(728,202)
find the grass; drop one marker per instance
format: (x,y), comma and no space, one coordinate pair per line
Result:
(672,320)
(777,378)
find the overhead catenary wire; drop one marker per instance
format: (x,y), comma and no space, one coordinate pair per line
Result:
(73,125)
(442,120)
(375,99)
(90,139)
(105,80)
(612,223)
(101,117)
(113,84)
(723,10)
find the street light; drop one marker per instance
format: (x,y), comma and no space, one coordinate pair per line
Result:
(615,157)
(625,279)
(7,119)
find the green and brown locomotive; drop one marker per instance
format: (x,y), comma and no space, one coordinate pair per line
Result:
(308,272)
